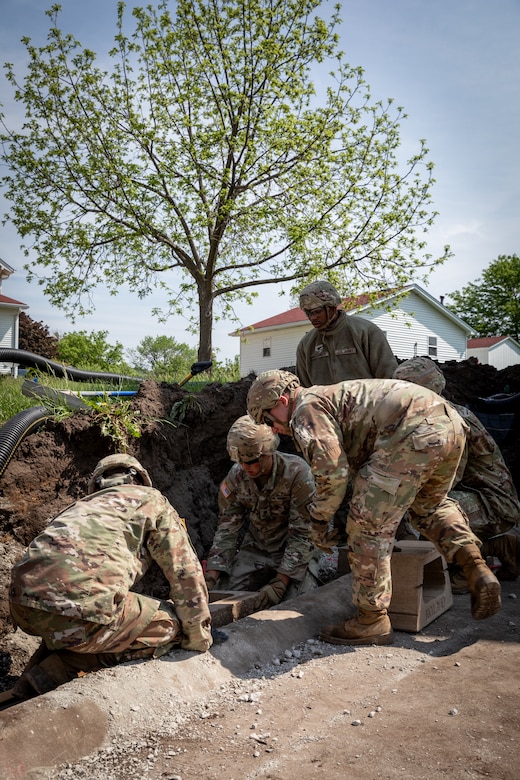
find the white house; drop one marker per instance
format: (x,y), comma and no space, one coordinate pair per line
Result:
(415,323)
(497,351)
(9,320)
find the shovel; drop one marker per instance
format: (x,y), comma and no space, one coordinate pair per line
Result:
(196,368)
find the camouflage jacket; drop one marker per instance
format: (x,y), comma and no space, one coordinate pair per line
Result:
(483,470)
(89,556)
(278,517)
(354,348)
(338,427)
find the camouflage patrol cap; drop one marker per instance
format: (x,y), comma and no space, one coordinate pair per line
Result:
(266,390)
(321,293)
(126,468)
(247,441)
(422,371)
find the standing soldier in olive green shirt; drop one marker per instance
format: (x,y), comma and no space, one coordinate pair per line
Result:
(73,585)
(402,445)
(340,346)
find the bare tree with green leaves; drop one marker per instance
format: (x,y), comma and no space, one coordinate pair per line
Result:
(207,162)
(491,305)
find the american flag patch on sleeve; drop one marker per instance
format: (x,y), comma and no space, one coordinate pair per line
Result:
(226,492)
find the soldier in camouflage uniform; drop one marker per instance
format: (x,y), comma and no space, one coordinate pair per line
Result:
(270,492)
(483,485)
(340,346)
(73,585)
(401,444)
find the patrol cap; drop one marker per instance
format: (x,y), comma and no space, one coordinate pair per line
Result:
(126,468)
(321,293)
(247,441)
(422,371)
(266,390)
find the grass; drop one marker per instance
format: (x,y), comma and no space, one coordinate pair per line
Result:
(13,401)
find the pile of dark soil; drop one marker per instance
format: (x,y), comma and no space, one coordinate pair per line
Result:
(186,460)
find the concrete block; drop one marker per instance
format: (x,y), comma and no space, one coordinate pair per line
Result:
(421,589)
(227,606)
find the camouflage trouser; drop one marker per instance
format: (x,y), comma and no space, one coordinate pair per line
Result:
(253,568)
(411,469)
(482,523)
(142,627)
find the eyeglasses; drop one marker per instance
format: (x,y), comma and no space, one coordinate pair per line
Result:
(313,312)
(268,420)
(250,462)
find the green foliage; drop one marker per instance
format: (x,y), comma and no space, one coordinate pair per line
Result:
(182,408)
(204,161)
(117,420)
(491,305)
(91,352)
(11,399)
(163,358)
(35,337)
(228,371)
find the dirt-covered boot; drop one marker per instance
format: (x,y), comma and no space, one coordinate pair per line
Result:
(458,582)
(507,549)
(57,668)
(483,585)
(365,628)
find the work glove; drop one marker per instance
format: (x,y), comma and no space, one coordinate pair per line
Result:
(324,539)
(210,581)
(272,593)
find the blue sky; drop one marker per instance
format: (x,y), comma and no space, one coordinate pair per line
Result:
(453,66)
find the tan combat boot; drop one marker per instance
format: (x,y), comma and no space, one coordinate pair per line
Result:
(507,549)
(366,628)
(483,585)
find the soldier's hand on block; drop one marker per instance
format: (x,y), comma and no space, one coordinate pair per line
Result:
(273,592)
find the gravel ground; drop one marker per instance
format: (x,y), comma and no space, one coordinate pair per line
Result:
(440,703)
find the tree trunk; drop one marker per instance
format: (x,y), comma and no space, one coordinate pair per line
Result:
(205,324)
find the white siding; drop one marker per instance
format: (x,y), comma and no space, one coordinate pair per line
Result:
(8,335)
(409,326)
(284,341)
(501,355)
(481,353)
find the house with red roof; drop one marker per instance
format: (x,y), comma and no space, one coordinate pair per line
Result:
(497,351)
(9,320)
(415,323)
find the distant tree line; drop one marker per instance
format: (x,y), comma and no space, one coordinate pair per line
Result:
(161,357)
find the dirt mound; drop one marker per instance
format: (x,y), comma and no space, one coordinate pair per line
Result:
(183,446)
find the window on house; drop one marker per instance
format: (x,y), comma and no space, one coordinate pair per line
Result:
(432,346)
(266,352)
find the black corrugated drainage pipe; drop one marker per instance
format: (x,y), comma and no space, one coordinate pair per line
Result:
(20,425)
(29,420)
(64,372)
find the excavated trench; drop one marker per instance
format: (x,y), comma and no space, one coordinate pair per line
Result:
(186,458)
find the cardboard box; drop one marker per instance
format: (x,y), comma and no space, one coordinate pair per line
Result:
(421,589)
